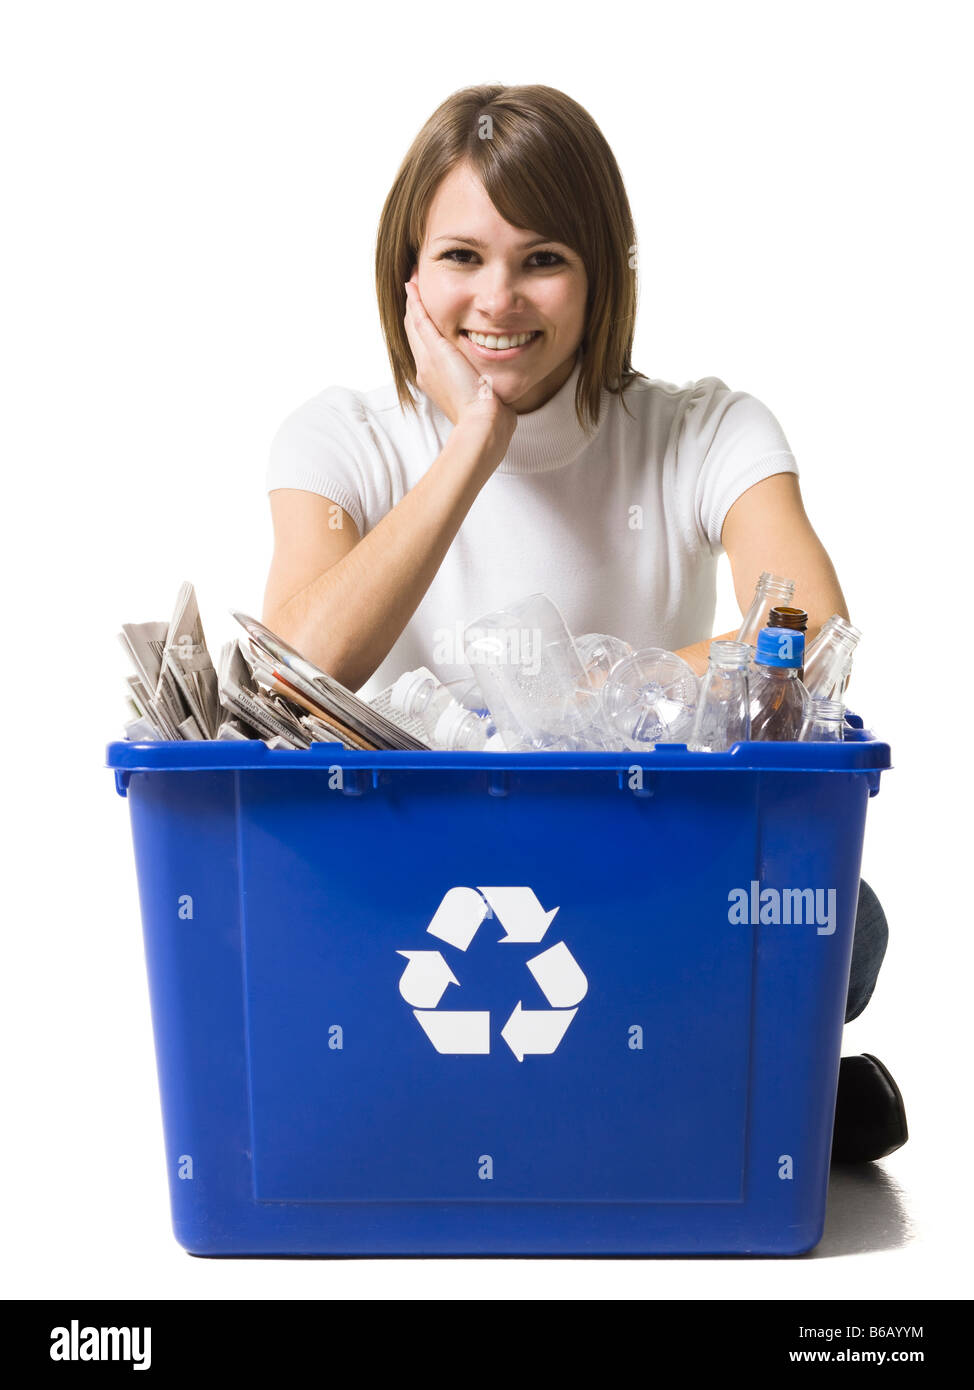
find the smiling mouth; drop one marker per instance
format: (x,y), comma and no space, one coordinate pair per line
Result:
(500,342)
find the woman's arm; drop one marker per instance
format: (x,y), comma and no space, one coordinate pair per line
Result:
(767,529)
(343,600)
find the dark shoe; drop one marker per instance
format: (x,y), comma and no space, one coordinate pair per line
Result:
(870,1119)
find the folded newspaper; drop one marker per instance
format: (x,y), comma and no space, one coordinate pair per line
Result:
(262,689)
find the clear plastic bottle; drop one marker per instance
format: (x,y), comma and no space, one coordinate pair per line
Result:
(828,661)
(770,590)
(529,672)
(459,729)
(649,698)
(448,725)
(777,695)
(467,692)
(824,721)
(590,731)
(723,715)
(598,653)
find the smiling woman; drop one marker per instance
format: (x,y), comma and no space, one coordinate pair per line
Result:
(518,451)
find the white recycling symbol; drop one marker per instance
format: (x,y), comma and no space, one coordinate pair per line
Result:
(427,975)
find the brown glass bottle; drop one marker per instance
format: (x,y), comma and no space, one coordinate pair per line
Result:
(796,619)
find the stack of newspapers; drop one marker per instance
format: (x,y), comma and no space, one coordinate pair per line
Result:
(262,689)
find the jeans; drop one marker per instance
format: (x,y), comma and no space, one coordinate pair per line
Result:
(868,950)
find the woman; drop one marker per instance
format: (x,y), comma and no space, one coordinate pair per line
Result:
(518,451)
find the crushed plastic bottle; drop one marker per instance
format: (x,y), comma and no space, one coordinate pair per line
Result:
(723,715)
(531,676)
(599,653)
(649,698)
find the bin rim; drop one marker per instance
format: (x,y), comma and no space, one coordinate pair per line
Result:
(860,751)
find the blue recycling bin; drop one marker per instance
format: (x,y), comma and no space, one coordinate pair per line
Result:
(498,1004)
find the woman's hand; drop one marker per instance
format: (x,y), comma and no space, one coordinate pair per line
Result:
(444,374)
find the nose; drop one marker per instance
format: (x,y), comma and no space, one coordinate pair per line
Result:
(497,294)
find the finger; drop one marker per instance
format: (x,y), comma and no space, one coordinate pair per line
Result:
(416,345)
(411,320)
(411,305)
(412,337)
(424,324)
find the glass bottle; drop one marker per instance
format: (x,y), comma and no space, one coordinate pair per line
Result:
(723,715)
(828,662)
(823,722)
(770,589)
(777,695)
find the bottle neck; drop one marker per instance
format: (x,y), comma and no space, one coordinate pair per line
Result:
(794,619)
(841,629)
(775,587)
(729,656)
(826,711)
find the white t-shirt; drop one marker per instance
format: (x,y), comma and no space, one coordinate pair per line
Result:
(621,528)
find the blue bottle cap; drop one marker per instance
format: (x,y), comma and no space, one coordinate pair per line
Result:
(780,646)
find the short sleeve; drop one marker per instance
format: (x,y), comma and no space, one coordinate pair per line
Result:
(735,441)
(317,449)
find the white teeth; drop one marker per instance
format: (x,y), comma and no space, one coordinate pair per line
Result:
(499,343)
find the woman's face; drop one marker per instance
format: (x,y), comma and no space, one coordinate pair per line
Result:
(478,274)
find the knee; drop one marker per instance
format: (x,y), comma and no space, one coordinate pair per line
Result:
(868,949)
(872,929)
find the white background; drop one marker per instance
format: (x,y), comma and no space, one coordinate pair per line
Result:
(192,192)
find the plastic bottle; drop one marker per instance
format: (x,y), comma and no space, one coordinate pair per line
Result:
(828,662)
(590,731)
(770,589)
(794,619)
(449,726)
(529,672)
(777,695)
(649,698)
(824,721)
(723,715)
(599,653)
(467,692)
(458,729)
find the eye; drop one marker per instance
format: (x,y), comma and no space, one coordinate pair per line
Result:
(553,257)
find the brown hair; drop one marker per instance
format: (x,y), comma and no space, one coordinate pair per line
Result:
(545,166)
